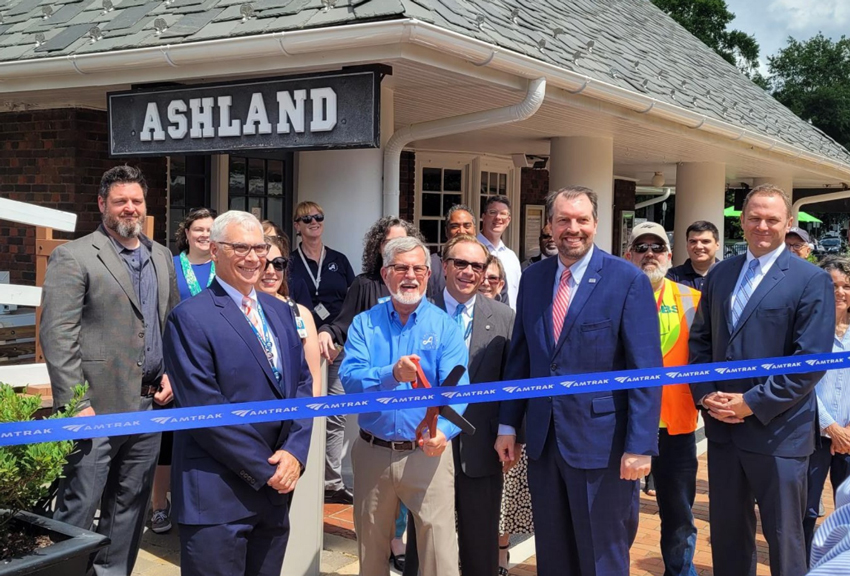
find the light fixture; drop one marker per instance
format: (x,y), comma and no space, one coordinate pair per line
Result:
(658,180)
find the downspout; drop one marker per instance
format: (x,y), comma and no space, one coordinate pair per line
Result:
(795,209)
(667,192)
(453,125)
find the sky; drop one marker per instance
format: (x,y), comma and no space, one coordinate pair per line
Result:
(773,21)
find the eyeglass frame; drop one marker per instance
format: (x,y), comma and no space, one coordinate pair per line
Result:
(456,262)
(307,218)
(271,262)
(656,247)
(423,272)
(237,246)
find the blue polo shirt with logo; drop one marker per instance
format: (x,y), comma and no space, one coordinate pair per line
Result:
(376,341)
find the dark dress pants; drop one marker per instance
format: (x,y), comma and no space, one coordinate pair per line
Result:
(585,521)
(737,479)
(252,546)
(821,463)
(478,503)
(675,471)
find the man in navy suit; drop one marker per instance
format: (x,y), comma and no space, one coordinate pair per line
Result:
(582,312)
(233,485)
(761,431)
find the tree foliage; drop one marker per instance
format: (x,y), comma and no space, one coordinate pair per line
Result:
(708,20)
(812,78)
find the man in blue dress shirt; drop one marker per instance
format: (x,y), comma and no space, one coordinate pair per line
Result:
(388,465)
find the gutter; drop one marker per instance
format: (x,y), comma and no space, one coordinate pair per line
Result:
(795,208)
(453,125)
(667,192)
(387,33)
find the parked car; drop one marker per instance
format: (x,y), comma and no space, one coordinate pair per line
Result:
(831,245)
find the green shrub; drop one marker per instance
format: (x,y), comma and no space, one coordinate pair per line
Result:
(28,470)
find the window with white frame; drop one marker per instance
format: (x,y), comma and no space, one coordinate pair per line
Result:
(442,188)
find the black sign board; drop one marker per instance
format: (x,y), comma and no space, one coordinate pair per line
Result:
(321,111)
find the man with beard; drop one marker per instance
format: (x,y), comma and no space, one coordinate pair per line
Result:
(583,312)
(547,247)
(675,467)
(105,300)
(384,343)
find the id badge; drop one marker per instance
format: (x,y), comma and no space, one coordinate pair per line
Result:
(301,327)
(321,311)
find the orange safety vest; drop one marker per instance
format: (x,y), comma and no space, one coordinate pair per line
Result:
(678,411)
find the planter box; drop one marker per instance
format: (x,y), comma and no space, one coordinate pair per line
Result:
(67,556)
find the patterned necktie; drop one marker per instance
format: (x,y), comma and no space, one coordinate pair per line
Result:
(745,290)
(251,313)
(561,303)
(461,308)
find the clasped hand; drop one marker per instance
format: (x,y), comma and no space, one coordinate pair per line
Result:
(727,407)
(840,439)
(287,474)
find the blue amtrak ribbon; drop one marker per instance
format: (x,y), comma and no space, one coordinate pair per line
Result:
(274,410)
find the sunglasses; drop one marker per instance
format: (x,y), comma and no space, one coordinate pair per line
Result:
(644,248)
(477,267)
(310,217)
(280,263)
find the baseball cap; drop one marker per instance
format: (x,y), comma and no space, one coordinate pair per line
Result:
(804,236)
(652,228)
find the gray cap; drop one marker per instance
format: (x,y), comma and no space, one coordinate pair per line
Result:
(652,228)
(804,236)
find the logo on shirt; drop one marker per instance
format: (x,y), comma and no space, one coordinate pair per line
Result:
(429,342)
(333,267)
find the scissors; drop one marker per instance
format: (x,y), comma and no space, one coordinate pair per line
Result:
(447,412)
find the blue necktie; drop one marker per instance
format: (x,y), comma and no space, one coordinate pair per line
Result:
(461,308)
(745,290)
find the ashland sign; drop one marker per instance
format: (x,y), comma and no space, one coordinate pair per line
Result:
(322,111)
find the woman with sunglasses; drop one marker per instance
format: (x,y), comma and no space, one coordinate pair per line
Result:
(515,517)
(195,270)
(298,290)
(273,281)
(328,275)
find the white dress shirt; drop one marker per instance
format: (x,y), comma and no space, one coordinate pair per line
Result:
(451,307)
(237,296)
(511,264)
(765,262)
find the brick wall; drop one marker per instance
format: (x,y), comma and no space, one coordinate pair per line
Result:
(55,158)
(407,179)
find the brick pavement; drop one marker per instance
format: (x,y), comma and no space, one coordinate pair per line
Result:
(646,557)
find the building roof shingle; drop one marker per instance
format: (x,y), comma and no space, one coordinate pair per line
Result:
(627,43)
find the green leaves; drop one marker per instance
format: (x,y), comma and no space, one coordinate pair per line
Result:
(28,470)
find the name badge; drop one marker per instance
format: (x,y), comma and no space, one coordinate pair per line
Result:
(301,327)
(321,311)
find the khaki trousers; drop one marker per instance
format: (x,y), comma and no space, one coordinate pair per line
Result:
(382,478)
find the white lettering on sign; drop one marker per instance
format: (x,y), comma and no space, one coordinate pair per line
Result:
(201,119)
(177,116)
(152,125)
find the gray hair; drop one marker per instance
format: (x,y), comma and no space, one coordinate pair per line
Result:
(245,220)
(398,246)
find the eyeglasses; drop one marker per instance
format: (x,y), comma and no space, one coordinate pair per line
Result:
(797,247)
(280,263)
(477,267)
(241,249)
(493,279)
(656,248)
(419,270)
(494,213)
(310,217)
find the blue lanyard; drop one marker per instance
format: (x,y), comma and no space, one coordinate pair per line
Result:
(265,340)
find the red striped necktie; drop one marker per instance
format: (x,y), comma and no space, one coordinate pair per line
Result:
(561,303)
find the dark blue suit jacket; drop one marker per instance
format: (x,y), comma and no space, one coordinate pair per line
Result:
(792,311)
(212,356)
(611,324)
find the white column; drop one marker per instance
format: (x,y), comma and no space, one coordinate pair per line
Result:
(587,161)
(347,185)
(700,195)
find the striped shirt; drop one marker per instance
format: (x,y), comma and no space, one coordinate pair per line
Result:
(833,391)
(831,544)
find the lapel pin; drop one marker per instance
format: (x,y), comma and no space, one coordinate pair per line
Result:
(487,327)
(591,280)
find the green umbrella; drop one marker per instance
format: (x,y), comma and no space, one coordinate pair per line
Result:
(730,212)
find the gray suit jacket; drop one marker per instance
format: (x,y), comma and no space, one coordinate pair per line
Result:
(492,326)
(92,328)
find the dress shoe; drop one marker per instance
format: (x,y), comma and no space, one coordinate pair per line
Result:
(341,496)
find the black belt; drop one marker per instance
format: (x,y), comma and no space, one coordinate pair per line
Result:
(148,390)
(398,446)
